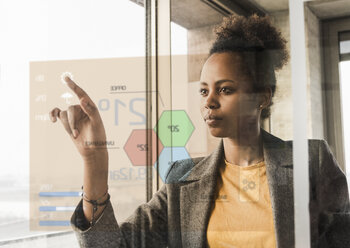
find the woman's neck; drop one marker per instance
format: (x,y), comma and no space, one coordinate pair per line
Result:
(245,150)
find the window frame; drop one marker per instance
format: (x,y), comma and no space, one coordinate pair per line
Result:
(331,85)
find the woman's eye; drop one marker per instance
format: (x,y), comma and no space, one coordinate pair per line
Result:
(223,89)
(226,90)
(202,91)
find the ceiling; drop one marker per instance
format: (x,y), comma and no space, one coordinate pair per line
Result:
(198,13)
(194,13)
(324,9)
(330,9)
(272,5)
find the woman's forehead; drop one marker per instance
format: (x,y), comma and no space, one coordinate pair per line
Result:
(232,57)
(224,64)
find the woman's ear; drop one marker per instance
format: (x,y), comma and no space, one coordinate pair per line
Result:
(266,97)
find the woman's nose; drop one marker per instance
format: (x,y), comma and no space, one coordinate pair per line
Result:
(211,101)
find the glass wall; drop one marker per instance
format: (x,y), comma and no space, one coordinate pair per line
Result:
(147,67)
(101,46)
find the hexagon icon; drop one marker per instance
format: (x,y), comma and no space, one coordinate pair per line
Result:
(167,156)
(175,128)
(136,147)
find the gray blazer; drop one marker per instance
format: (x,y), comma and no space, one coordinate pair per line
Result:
(178,214)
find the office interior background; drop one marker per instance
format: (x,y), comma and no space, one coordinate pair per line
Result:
(162,49)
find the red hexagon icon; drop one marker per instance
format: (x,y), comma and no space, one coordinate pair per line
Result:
(136,147)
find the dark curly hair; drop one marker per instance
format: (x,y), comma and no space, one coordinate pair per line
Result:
(262,46)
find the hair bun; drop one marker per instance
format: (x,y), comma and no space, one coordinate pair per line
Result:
(253,33)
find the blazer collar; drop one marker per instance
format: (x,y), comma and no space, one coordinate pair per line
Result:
(198,194)
(271,145)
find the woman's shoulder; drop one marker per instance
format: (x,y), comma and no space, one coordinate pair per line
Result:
(274,139)
(316,147)
(320,144)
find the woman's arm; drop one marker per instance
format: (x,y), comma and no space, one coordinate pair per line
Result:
(146,227)
(95,182)
(85,127)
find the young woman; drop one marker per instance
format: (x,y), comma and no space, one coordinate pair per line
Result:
(241,195)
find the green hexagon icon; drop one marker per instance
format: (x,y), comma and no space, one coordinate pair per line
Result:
(175,128)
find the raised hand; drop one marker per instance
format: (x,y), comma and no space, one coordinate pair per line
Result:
(83,123)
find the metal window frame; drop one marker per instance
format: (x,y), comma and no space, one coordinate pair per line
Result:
(158,78)
(331,85)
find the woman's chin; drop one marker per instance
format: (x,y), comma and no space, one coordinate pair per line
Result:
(217,132)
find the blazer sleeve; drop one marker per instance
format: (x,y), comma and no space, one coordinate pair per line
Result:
(146,227)
(333,201)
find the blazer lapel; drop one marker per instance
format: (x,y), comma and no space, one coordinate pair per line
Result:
(198,193)
(197,198)
(279,171)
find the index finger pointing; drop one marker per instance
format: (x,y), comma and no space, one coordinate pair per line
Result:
(76,89)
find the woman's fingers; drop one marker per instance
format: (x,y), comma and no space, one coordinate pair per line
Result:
(68,118)
(87,104)
(54,114)
(75,113)
(89,108)
(63,116)
(72,114)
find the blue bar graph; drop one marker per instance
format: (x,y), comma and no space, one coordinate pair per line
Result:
(54,223)
(60,194)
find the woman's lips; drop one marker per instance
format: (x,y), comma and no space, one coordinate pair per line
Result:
(212,120)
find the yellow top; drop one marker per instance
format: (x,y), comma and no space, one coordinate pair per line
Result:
(242,216)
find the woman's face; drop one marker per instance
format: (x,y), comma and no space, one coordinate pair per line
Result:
(228,103)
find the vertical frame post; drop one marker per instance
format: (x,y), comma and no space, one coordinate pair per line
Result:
(158,78)
(163,82)
(300,143)
(149,13)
